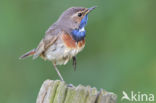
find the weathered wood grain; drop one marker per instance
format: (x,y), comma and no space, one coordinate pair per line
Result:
(59,92)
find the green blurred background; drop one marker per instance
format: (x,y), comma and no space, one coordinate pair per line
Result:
(120,52)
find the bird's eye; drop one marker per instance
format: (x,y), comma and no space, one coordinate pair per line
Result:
(79,14)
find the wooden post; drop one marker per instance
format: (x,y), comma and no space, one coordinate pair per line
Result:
(59,92)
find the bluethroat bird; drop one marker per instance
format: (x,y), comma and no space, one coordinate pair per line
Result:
(64,39)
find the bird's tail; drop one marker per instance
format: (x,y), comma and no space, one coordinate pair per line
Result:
(30,53)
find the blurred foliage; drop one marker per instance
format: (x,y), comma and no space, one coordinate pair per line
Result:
(120,52)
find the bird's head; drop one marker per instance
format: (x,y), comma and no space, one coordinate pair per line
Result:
(74,17)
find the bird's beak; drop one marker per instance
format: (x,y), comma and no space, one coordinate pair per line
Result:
(90,9)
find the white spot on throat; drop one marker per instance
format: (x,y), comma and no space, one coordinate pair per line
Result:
(82,29)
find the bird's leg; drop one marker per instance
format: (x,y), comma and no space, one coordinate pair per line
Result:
(74,63)
(59,74)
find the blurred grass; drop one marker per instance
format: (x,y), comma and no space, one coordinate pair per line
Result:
(120,53)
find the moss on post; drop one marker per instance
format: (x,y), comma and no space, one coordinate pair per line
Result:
(60,92)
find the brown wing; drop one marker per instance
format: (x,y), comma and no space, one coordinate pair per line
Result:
(48,40)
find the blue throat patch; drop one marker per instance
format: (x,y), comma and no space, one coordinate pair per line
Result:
(80,33)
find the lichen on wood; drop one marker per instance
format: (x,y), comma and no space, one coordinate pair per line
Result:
(59,92)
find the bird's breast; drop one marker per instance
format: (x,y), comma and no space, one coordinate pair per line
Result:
(71,43)
(78,34)
(64,49)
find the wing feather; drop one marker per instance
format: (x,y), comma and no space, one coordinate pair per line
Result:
(48,40)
